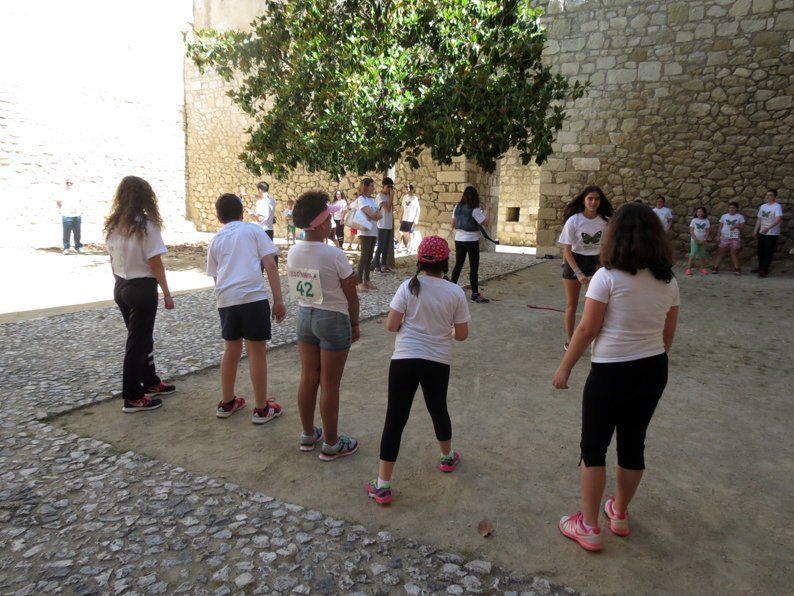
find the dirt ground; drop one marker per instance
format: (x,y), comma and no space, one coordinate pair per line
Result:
(712,516)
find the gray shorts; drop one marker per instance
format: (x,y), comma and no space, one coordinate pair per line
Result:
(329,329)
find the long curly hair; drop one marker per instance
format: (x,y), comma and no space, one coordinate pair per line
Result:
(577,205)
(133,205)
(635,240)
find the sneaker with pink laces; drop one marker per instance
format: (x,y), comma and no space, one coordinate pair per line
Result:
(226,409)
(573,527)
(262,415)
(449,463)
(688,272)
(618,522)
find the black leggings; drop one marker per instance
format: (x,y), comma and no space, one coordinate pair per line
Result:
(622,396)
(137,301)
(766,250)
(367,245)
(473,250)
(405,376)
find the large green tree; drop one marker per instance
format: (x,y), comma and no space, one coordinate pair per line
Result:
(354,85)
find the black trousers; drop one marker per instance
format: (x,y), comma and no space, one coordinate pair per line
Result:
(766,250)
(275,256)
(137,301)
(473,250)
(622,397)
(367,246)
(405,377)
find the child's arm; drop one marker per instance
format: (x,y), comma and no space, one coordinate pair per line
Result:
(586,332)
(156,263)
(279,310)
(669,327)
(373,215)
(349,288)
(461,331)
(394,320)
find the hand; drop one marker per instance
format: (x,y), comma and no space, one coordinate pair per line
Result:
(356,333)
(560,380)
(279,312)
(169,302)
(582,278)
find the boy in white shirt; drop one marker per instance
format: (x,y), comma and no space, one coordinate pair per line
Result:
(235,259)
(767,231)
(663,213)
(265,211)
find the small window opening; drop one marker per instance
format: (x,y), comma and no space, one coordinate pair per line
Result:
(513,213)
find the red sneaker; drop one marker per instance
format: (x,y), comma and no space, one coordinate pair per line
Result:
(161,389)
(263,415)
(226,409)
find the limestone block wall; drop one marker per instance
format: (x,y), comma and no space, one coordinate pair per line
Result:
(691,100)
(519,201)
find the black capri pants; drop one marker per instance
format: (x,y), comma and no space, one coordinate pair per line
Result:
(622,397)
(405,377)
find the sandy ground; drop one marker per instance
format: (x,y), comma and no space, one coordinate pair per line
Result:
(713,515)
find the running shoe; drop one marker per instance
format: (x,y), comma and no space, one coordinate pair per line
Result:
(737,271)
(66,251)
(449,463)
(226,409)
(715,270)
(144,404)
(704,271)
(572,526)
(618,522)
(161,389)
(688,272)
(263,415)
(381,495)
(344,446)
(80,250)
(479,299)
(309,441)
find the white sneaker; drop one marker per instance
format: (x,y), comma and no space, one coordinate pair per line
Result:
(572,526)
(618,523)
(66,251)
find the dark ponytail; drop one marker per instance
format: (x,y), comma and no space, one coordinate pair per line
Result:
(414,286)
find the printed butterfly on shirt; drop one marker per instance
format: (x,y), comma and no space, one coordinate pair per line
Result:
(594,239)
(766,213)
(700,226)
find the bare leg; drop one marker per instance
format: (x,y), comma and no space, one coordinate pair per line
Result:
(572,289)
(310,381)
(257,367)
(592,482)
(627,482)
(231,358)
(735,257)
(720,255)
(385,470)
(332,365)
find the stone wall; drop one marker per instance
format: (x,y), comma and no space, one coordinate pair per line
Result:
(91,103)
(691,100)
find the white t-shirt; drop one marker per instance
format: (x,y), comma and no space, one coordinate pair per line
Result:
(583,234)
(333,266)
(362,202)
(665,216)
(342,207)
(387,221)
(411,209)
(71,205)
(266,207)
(728,220)
(700,227)
(767,214)
(465,236)
(234,258)
(637,307)
(427,328)
(129,255)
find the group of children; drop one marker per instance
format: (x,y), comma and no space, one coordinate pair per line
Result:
(729,235)
(630,316)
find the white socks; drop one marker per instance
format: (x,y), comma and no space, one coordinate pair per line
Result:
(383,483)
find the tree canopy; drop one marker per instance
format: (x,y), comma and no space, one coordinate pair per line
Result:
(354,85)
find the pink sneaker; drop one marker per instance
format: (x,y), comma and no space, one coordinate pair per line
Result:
(688,272)
(572,526)
(448,464)
(618,522)
(704,271)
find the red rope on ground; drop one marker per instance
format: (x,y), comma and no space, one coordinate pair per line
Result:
(554,308)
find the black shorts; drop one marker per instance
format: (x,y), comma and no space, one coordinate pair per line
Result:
(588,265)
(405,226)
(246,321)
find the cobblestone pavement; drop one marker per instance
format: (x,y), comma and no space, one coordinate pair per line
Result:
(79,517)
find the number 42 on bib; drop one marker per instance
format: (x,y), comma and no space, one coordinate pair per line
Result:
(305,286)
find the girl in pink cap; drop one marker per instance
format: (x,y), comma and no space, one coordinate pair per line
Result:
(427,313)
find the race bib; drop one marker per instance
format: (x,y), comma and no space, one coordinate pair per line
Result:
(733,234)
(304,285)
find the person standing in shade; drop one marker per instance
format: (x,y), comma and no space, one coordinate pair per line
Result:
(135,245)
(410,216)
(265,211)
(366,236)
(71,216)
(767,231)
(385,201)
(467,217)
(664,214)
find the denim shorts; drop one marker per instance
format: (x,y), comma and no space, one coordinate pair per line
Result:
(327,328)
